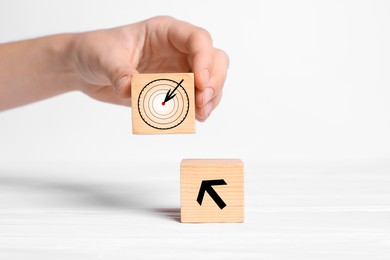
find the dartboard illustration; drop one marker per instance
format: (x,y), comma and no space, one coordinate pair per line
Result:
(163,104)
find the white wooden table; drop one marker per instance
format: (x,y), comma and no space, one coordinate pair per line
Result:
(338,210)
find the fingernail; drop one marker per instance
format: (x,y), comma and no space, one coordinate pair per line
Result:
(121,82)
(208,95)
(208,109)
(205,77)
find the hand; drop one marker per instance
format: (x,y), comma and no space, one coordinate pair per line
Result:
(107,59)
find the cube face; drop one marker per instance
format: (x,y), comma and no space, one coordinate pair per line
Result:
(212,190)
(163,103)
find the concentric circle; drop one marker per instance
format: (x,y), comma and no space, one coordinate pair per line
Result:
(159,114)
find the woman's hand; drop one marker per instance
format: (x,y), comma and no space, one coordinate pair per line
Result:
(101,63)
(107,59)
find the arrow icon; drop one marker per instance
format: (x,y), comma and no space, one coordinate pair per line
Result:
(170,94)
(206,186)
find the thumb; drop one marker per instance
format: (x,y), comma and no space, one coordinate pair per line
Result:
(120,79)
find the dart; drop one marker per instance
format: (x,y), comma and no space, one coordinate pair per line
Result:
(170,94)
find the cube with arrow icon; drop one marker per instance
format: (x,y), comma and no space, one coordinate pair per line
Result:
(212,190)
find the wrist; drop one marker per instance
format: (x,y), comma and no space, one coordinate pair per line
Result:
(64,65)
(36,69)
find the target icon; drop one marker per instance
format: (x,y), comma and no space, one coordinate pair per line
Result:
(163,103)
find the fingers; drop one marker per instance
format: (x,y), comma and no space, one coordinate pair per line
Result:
(208,98)
(208,64)
(185,37)
(202,113)
(197,44)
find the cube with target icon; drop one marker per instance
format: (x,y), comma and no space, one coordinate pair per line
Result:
(163,103)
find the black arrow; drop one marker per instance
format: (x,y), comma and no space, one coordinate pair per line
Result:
(170,94)
(206,186)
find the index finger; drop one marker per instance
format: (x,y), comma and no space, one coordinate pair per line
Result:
(197,44)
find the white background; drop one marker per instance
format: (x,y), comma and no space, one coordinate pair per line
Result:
(308,81)
(306,106)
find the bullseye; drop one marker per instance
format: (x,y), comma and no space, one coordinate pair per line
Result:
(159,107)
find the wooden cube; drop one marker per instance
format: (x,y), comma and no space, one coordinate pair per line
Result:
(163,103)
(212,190)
